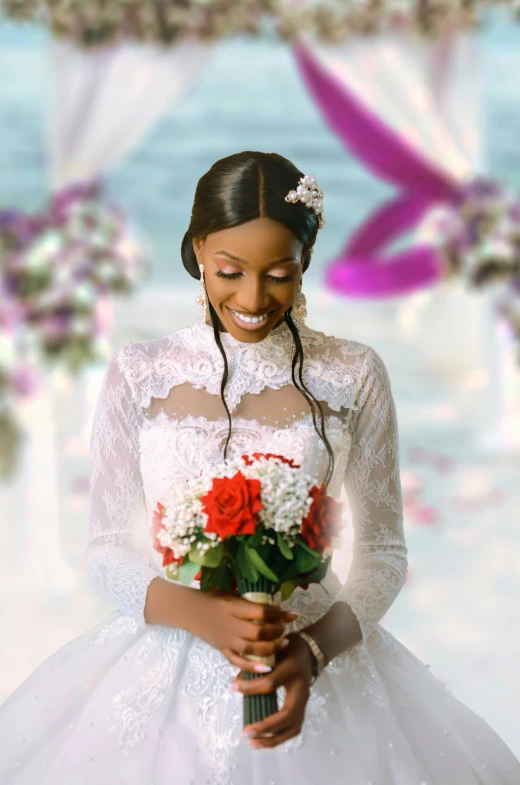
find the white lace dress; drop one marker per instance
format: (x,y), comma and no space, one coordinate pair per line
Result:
(129,703)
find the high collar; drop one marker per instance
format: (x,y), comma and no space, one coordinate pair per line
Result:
(278,337)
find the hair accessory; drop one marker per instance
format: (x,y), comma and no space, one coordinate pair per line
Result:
(201,298)
(309,193)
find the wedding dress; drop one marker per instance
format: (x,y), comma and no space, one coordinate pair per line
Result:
(130,703)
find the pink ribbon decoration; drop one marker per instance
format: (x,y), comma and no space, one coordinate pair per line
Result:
(365,268)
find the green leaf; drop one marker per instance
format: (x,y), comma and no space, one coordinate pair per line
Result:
(221,576)
(284,548)
(244,564)
(305,561)
(301,542)
(211,558)
(287,589)
(187,572)
(261,566)
(317,574)
(254,540)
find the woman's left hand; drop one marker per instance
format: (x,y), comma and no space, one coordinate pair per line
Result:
(293,671)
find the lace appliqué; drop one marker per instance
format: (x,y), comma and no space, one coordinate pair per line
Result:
(119,625)
(205,682)
(135,706)
(191,355)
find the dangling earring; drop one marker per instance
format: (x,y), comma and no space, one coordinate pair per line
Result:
(201,298)
(299,307)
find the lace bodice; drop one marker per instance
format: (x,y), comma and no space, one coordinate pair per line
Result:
(160,418)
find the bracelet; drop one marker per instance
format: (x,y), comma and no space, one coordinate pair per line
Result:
(318,656)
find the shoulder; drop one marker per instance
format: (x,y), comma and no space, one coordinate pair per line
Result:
(151,367)
(139,359)
(357,363)
(135,360)
(347,349)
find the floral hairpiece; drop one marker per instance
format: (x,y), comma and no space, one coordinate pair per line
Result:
(309,193)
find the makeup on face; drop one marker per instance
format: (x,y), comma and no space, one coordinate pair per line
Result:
(252,275)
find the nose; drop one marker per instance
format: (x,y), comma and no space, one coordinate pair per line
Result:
(253,296)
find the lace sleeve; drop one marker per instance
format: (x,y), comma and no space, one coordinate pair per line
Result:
(114,565)
(373,486)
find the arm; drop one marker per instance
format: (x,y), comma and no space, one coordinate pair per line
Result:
(117,512)
(372,482)
(115,567)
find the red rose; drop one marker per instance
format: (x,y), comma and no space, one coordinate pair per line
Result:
(257,455)
(169,558)
(323,521)
(232,505)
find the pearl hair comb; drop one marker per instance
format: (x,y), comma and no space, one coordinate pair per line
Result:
(309,193)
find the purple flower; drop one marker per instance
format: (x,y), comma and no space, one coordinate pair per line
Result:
(62,202)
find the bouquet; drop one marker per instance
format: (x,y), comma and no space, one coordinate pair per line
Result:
(257,525)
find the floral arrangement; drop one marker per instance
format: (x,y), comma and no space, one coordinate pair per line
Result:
(94,22)
(257,524)
(60,265)
(478,237)
(58,270)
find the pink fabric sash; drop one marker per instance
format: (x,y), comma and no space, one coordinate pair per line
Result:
(365,267)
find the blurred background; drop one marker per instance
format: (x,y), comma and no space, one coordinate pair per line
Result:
(102,146)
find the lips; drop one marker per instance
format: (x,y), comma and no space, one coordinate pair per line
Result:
(249,325)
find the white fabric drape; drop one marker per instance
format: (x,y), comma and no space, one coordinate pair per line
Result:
(428,91)
(103,101)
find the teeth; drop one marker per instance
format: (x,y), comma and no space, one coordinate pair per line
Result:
(251,319)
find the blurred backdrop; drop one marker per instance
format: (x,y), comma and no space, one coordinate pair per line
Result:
(453,360)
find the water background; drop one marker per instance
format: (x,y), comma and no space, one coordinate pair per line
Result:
(250,97)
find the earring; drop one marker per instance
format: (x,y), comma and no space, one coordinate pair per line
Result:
(299,307)
(201,298)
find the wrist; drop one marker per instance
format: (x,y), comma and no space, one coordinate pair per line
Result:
(316,654)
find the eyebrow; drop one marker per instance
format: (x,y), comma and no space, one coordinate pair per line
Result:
(244,261)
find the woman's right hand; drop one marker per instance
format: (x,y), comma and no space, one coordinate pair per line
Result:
(227,622)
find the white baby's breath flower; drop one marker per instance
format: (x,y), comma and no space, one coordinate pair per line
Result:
(284,495)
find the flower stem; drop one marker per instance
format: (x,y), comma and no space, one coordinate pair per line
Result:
(257,707)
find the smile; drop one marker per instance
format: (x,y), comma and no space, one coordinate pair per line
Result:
(249,320)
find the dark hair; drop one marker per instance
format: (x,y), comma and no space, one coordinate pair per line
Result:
(238,189)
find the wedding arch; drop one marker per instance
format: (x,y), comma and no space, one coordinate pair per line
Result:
(392,78)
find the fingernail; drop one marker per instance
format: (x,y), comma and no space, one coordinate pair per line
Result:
(260,667)
(285,642)
(233,686)
(251,733)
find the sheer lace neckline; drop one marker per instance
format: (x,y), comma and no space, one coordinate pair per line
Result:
(164,419)
(279,336)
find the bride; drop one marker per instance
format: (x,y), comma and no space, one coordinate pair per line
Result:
(153,693)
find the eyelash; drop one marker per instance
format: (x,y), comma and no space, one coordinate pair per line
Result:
(232,276)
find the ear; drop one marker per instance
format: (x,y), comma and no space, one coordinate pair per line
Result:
(198,244)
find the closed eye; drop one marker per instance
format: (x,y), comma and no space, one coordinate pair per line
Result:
(275,278)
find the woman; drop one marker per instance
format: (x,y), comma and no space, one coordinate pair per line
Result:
(153,693)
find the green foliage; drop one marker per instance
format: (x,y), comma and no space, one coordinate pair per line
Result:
(261,566)
(211,558)
(187,572)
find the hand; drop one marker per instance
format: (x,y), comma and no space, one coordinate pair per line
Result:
(227,622)
(294,672)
